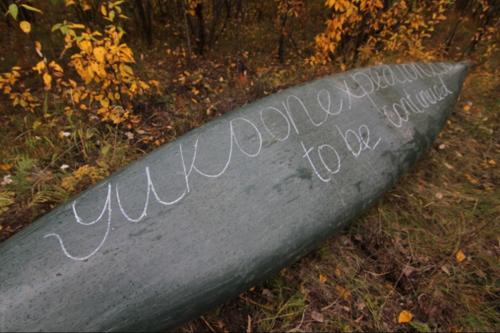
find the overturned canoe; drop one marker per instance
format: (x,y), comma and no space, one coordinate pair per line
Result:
(201,219)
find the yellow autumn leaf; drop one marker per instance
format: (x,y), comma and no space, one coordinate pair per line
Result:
(104,11)
(25,26)
(104,102)
(460,256)
(88,74)
(75,96)
(85,46)
(47,80)
(55,66)
(405,317)
(38,48)
(76,26)
(116,119)
(473,180)
(322,278)
(5,167)
(39,67)
(98,68)
(343,292)
(100,53)
(126,70)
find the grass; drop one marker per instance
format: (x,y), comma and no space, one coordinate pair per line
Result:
(400,255)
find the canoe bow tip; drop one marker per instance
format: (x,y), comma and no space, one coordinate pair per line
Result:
(461,69)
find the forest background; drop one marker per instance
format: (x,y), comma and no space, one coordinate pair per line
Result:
(87,86)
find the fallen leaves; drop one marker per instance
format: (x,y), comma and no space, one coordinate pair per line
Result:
(317,316)
(63,134)
(449,166)
(408,270)
(467,106)
(471,179)
(7,179)
(460,256)
(343,292)
(405,317)
(5,167)
(446,270)
(25,26)
(322,278)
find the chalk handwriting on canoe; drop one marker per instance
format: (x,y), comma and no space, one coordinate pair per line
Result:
(210,214)
(356,140)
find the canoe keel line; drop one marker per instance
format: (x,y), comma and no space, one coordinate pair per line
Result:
(201,219)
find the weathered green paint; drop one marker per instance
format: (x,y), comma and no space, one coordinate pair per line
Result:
(257,197)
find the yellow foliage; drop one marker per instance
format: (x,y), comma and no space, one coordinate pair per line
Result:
(83,176)
(99,53)
(12,85)
(47,81)
(39,67)
(103,64)
(56,68)
(106,83)
(191,6)
(291,8)
(83,4)
(360,29)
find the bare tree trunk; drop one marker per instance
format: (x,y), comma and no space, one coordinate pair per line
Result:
(228,7)
(451,36)
(489,17)
(360,39)
(187,28)
(144,11)
(462,5)
(201,28)
(216,11)
(239,9)
(282,39)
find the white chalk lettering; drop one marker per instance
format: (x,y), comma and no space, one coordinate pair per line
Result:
(321,108)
